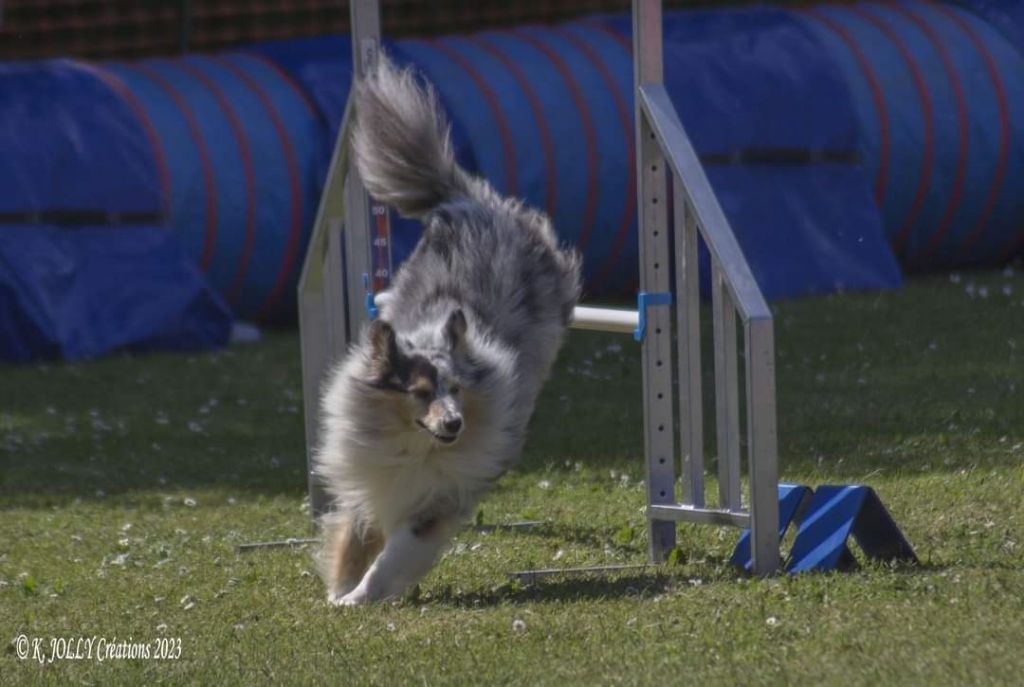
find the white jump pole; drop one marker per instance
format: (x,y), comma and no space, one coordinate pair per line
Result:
(615,320)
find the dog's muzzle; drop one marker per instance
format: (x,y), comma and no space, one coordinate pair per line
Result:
(449,436)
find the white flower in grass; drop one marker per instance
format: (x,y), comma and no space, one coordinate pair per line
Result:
(519,625)
(772,621)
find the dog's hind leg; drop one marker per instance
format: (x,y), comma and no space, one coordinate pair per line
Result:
(348,551)
(408,555)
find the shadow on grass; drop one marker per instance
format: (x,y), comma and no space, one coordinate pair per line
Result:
(557,590)
(655,580)
(142,425)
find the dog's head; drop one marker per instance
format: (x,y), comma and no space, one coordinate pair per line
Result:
(431,377)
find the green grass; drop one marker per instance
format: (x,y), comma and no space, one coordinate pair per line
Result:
(126,483)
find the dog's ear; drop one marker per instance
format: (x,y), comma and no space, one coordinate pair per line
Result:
(383,347)
(455,329)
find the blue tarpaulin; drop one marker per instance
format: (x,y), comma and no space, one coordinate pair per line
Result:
(82,292)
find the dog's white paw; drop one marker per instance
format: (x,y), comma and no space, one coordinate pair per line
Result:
(353,598)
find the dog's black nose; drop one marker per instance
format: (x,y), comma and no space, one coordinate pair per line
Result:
(454,425)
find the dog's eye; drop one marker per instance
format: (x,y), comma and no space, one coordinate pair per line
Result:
(421,393)
(454,389)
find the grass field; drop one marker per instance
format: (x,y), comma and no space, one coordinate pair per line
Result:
(126,484)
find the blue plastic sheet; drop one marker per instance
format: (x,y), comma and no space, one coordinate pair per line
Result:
(83,292)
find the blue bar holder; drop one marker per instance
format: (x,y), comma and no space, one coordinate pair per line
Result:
(826,517)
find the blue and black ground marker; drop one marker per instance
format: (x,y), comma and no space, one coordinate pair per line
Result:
(825,518)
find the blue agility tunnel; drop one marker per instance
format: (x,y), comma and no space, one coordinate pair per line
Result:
(546,114)
(241,146)
(837,137)
(842,141)
(939,96)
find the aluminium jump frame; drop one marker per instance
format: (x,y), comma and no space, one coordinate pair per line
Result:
(339,277)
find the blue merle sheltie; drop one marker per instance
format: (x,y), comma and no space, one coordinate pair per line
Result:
(431,405)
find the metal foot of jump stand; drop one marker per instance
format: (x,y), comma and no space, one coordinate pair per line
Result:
(290,541)
(531,576)
(826,518)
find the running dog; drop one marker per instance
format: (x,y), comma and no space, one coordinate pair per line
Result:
(431,406)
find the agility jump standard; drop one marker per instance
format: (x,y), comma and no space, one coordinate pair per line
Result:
(348,260)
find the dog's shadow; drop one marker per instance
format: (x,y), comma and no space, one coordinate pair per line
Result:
(560,589)
(642,583)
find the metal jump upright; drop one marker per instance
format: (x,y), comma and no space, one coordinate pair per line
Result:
(349,256)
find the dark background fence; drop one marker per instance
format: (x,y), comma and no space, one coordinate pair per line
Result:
(135,28)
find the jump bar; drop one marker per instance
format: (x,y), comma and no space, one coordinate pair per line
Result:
(583,317)
(605,319)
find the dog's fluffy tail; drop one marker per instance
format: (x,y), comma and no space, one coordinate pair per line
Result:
(402,143)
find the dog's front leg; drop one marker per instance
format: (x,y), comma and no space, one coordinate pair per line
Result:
(408,555)
(348,551)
